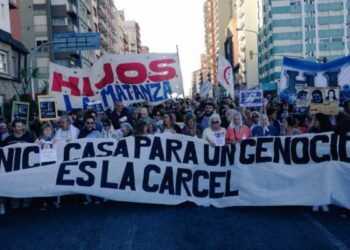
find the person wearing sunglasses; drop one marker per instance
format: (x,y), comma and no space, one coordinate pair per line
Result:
(214,134)
(89,129)
(108,130)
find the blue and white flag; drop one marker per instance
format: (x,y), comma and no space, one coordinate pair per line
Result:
(296,72)
(205,89)
(225,75)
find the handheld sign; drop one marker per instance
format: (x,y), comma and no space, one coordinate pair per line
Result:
(251,98)
(47,108)
(20,111)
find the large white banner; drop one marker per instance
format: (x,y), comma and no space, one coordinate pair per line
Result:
(302,73)
(133,78)
(266,171)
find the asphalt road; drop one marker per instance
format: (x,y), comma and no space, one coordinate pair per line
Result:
(113,225)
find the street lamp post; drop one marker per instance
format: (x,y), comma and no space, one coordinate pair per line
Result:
(251,53)
(32,54)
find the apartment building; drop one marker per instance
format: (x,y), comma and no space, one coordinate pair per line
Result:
(42,19)
(12,54)
(132,30)
(315,30)
(246,40)
(217,14)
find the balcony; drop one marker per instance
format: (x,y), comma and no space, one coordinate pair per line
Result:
(103,26)
(104,40)
(13,4)
(71,9)
(101,3)
(102,12)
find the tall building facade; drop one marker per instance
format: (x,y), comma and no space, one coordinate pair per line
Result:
(314,30)
(132,29)
(217,14)
(246,34)
(12,54)
(43,19)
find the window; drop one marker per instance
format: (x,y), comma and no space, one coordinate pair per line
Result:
(4,62)
(59,21)
(40,41)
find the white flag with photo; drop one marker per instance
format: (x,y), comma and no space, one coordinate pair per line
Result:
(205,88)
(225,74)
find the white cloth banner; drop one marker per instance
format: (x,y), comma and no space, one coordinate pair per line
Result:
(225,75)
(133,78)
(266,171)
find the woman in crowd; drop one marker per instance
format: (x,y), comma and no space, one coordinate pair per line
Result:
(108,130)
(239,131)
(321,123)
(191,128)
(214,134)
(290,126)
(158,120)
(169,125)
(264,128)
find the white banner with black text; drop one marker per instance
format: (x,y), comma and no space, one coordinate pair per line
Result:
(310,169)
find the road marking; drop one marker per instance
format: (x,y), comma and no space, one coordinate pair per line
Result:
(328,235)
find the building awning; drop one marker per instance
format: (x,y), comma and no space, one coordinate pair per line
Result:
(7,38)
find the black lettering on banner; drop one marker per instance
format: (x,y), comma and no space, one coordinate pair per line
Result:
(284,150)
(214,184)
(190,153)
(128,179)
(157,150)
(342,148)
(334,146)
(182,177)
(122,149)
(260,149)
(141,141)
(25,159)
(145,183)
(216,158)
(228,153)
(7,162)
(67,148)
(305,158)
(228,191)
(17,163)
(313,148)
(172,146)
(104,177)
(167,182)
(90,177)
(242,158)
(195,188)
(101,148)
(89,150)
(62,171)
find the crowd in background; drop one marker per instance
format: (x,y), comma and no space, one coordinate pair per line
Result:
(198,117)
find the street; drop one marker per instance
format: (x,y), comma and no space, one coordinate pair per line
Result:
(114,225)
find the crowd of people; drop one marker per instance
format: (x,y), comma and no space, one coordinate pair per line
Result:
(218,122)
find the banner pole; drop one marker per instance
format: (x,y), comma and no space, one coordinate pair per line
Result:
(178,56)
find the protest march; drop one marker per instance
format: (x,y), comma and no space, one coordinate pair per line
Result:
(114,132)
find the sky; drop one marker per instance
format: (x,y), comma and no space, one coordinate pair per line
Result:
(167,23)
